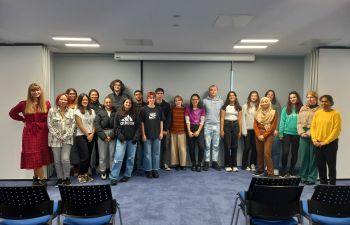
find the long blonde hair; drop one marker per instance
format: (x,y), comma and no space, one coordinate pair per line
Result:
(30,106)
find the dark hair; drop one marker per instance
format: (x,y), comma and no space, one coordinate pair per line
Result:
(94,90)
(273,101)
(122,112)
(137,91)
(257,100)
(329,98)
(298,104)
(159,90)
(199,103)
(227,102)
(80,106)
(59,96)
(122,86)
(71,89)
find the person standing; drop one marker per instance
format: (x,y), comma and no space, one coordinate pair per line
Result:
(178,134)
(84,118)
(212,105)
(325,130)
(164,150)
(117,95)
(95,104)
(61,124)
(104,124)
(35,149)
(264,125)
(72,98)
(231,129)
(308,168)
(248,115)
(289,134)
(195,116)
(127,133)
(152,119)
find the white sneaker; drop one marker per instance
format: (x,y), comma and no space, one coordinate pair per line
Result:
(235,169)
(252,167)
(81,179)
(228,169)
(103,175)
(248,168)
(166,167)
(276,172)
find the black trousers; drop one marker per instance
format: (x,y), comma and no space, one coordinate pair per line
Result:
(199,141)
(163,151)
(327,156)
(84,149)
(290,143)
(249,147)
(231,130)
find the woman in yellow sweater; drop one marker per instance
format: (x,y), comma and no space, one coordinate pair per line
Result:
(325,130)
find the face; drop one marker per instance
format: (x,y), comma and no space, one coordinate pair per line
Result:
(232,97)
(107,103)
(151,99)
(253,97)
(62,102)
(311,100)
(35,93)
(178,103)
(94,96)
(213,91)
(293,98)
(85,101)
(160,96)
(138,96)
(117,87)
(127,104)
(325,103)
(195,101)
(270,95)
(264,104)
(72,95)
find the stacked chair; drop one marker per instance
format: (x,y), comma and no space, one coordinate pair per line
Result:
(329,205)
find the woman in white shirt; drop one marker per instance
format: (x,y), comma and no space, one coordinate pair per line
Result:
(248,115)
(61,124)
(84,117)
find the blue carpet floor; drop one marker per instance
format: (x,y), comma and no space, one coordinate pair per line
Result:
(177,197)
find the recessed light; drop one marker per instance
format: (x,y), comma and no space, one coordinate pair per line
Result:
(176,16)
(60,38)
(259,40)
(249,46)
(82,45)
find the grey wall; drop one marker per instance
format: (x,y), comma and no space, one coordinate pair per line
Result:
(283,74)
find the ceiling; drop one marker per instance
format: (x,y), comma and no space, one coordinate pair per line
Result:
(177,25)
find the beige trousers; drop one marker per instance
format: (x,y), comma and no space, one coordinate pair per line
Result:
(178,149)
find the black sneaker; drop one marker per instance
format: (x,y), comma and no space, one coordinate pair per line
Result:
(199,168)
(258,174)
(59,181)
(35,181)
(149,174)
(66,181)
(155,174)
(206,166)
(114,182)
(125,179)
(193,167)
(182,167)
(216,166)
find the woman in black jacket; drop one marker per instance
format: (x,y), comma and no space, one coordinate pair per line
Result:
(104,124)
(127,133)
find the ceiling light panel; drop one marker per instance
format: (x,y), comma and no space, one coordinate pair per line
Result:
(259,40)
(61,38)
(250,46)
(82,45)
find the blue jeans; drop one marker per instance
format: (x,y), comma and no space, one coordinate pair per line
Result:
(151,153)
(276,152)
(212,134)
(120,149)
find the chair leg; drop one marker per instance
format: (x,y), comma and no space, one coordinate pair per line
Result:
(234,210)
(236,221)
(120,215)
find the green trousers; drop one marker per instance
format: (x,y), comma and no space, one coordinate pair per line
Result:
(307,154)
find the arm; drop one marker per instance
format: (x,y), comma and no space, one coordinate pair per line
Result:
(300,127)
(144,138)
(222,120)
(99,130)
(282,122)
(71,127)
(136,137)
(118,129)
(313,128)
(15,112)
(244,126)
(256,129)
(80,125)
(272,127)
(336,129)
(161,131)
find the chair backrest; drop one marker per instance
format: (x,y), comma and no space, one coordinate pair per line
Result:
(330,200)
(24,202)
(272,181)
(274,202)
(86,201)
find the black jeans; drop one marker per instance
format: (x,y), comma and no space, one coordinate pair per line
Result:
(290,143)
(249,147)
(84,149)
(192,145)
(231,130)
(327,156)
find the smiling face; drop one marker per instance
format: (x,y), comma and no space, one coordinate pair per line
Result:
(178,102)
(195,101)
(311,100)
(35,93)
(117,87)
(293,98)
(85,101)
(107,103)
(326,104)
(264,104)
(72,96)
(232,98)
(63,101)
(151,99)
(127,104)
(93,96)
(270,95)
(253,97)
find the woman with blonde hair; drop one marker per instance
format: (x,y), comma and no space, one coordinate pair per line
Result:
(35,149)
(265,123)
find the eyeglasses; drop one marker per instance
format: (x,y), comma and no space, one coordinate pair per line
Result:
(195,99)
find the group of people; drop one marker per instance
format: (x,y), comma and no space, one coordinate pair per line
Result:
(122,133)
